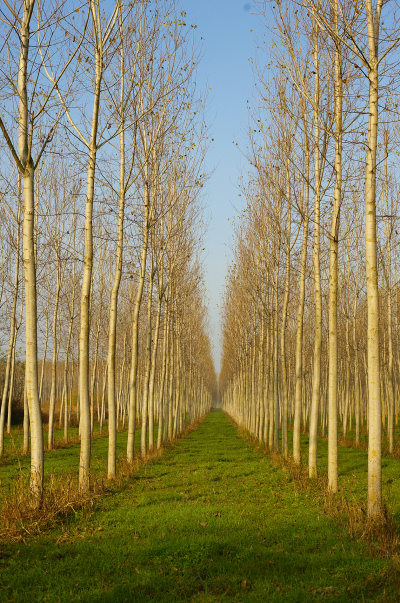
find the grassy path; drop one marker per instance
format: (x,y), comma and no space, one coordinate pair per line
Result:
(212,520)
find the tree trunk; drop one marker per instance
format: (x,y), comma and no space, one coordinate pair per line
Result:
(153,374)
(374,377)
(162,405)
(285,448)
(11,347)
(145,401)
(85,422)
(135,329)
(300,321)
(333,278)
(316,380)
(54,359)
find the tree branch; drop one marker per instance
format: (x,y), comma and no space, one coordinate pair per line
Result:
(11,147)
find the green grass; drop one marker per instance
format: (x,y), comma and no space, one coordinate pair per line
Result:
(63,459)
(211,520)
(14,442)
(353,472)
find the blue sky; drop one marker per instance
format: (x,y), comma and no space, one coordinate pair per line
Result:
(227,47)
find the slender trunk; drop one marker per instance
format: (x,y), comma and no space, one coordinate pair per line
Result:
(26,423)
(316,380)
(355,346)
(121,381)
(13,327)
(103,397)
(261,382)
(300,321)
(94,371)
(333,279)
(285,448)
(112,419)
(145,401)
(390,379)
(66,371)
(171,369)
(252,378)
(54,359)
(373,376)
(153,375)
(162,382)
(85,423)
(135,329)
(46,339)
(11,388)
(276,360)
(346,389)
(37,452)
(162,405)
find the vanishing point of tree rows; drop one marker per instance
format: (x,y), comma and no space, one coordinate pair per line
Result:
(102,313)
(312,303)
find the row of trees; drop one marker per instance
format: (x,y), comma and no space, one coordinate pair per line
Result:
(103,148)
(311,313)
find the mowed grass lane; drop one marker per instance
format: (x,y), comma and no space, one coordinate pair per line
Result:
(211,520)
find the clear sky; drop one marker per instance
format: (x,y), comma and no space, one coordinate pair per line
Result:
(227,46)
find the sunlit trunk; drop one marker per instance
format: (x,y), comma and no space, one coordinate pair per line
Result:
(373,375)
(145,400)
(54,359)
(135,330)
(300,319)
(333,279)
(316,380)
(84,358)
(112,418)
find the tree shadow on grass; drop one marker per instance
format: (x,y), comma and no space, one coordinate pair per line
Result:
(223,558)
(252,537)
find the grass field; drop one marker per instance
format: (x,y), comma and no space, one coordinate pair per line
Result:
(211,520)
(353,467)
(63,458)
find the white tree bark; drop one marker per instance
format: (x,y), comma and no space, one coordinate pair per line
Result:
(300,317)
(135,329)
(374,378)
(333,276)
(316,382)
